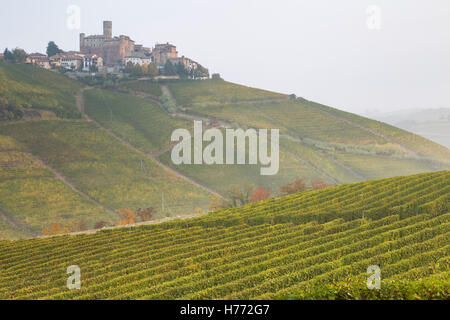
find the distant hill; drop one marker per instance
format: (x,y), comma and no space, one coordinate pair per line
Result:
(315,244)
(74,155)
(433,124)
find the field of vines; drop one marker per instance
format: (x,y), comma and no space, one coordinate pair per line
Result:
(382,167)
(104,168)
(315,244)
(189,93)
(140,121)
(415,142)
(27,88)
(221,176)
(291,118)
(146,86)
(33,198)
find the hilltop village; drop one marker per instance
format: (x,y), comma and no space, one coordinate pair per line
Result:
(108,54)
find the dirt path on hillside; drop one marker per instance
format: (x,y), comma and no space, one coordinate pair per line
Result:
(5,217)
(165,90)
(224,124)
(93,231)
(72,186)
(80,105)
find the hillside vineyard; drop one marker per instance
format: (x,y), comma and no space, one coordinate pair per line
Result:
(74,153)
(280,248)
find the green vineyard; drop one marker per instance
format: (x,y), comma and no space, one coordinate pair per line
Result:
(314,244)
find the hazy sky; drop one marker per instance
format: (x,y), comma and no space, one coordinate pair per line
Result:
(320,50)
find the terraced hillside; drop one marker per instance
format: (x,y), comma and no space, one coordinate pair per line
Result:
(27,90)
(198,93)
(99,165)
(301,246)
(317,142)
(31,196)
(71,154)
(143,122)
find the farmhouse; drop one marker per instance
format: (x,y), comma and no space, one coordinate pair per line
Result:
(92,63)
(139,58)
(39,59)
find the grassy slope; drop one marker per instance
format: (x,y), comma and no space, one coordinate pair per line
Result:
(140,121)
(417,143)
(328,148)
(322,136)
(286,247)
(32,197)
(190,92)
(147,86)
(104,168)
(39,88)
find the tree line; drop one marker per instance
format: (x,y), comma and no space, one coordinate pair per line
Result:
(247,193)
(169,69)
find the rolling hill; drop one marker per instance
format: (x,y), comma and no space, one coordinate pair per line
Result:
(71,153)
(307,245)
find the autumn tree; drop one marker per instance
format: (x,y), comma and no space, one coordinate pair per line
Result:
(128,217)
(145,214)
(240,196)
(293,187)
(318,184)
(216,203)
(144,68)
(152,70)
(53,229)
(260,194)
(70,227)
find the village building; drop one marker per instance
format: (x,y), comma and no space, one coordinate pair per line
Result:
(139,58)
(117,52)
(92,63)
(39,59)
(113,50)
(163,52)
(187,63)
(67,60)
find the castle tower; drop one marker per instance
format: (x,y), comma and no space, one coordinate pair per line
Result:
(82,35)
(107,29)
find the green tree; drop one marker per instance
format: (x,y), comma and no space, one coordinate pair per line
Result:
(19,55)
(201,72)
(52,49)
(8,55)
(181,71)
(129,67)
(169,69)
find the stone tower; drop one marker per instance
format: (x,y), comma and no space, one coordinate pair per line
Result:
(82,36)
(107,29)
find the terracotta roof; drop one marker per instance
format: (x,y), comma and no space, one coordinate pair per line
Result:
(37,55)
